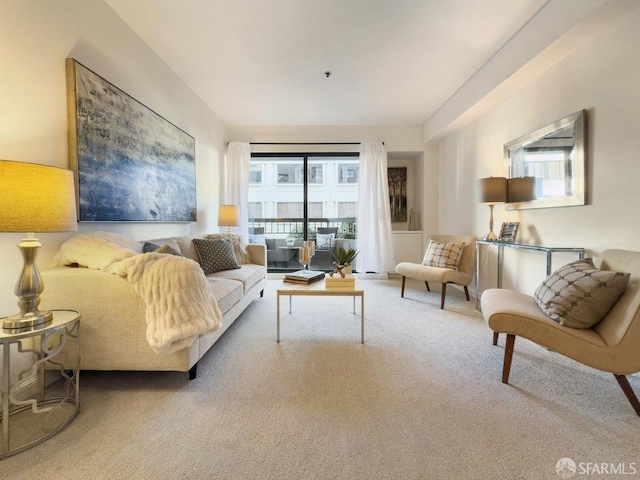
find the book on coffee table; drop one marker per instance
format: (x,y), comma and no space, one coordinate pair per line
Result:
(300,277)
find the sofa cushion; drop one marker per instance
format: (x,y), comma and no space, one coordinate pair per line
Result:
(215,255)
(578,295)
(187,247)
(443,255)
(248,275)
(227,292)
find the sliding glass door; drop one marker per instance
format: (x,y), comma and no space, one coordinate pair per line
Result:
(297,197)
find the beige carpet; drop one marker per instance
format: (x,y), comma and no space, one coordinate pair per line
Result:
(422,399)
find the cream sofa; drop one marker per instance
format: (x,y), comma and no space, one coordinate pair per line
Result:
(113,324)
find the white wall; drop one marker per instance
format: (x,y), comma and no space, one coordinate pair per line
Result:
(602,77)
(35,39)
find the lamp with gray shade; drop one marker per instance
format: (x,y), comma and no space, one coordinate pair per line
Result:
(34,198)
(521,189)
(492,190)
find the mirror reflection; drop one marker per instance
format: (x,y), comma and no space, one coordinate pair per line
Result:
(554,155)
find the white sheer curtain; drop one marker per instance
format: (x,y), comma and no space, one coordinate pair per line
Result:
(236,173)
(374,215)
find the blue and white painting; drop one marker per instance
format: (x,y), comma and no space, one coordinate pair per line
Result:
(132,165)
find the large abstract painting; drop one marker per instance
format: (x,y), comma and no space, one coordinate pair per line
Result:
(130,163)
(397,178)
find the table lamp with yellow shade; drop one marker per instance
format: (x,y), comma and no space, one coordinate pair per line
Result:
(34,198)
(228,216)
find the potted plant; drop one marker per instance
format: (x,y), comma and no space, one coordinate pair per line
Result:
(343,260)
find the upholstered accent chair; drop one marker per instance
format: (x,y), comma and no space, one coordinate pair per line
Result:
(460,274)
(611,345)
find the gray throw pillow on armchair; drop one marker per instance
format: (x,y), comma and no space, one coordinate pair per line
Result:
(579,295)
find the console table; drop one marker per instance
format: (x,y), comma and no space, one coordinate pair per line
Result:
(549,250)
(34,410)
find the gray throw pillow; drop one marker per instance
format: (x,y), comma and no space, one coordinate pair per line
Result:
(215,255)
(579,295)
(443,255)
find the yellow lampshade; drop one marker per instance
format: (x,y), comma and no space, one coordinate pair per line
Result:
(36,198)
(228,216)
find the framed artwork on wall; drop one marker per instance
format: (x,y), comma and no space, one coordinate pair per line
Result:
(397,178)
(131,164)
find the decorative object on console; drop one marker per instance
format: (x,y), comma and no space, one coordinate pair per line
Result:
(228,216)
(492,190)
(412,220)
(34,198)
(508,232)
(131,164)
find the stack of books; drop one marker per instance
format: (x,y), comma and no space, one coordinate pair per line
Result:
(337,282)
(302,278)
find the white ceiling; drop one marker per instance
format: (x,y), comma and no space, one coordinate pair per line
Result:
(263,62)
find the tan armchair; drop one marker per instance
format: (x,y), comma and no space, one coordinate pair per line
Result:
(463,276)
(612,345)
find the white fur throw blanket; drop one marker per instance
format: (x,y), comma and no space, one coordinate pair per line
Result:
(180,305)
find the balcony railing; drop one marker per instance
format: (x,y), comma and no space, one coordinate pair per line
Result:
(283,237)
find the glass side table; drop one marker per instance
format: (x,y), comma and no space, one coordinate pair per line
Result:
(35,408)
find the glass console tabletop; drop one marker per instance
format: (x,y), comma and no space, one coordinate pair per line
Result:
(549,250)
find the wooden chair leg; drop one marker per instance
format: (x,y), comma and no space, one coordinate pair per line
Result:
(628,391)
(466,292)
(444,293)
(427,284)
(508,354)
(495,338)
(402,291)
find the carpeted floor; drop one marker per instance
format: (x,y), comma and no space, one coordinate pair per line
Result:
(422,399)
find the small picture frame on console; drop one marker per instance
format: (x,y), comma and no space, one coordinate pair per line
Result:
(508,232)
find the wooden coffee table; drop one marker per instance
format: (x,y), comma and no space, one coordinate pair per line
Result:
(319,289)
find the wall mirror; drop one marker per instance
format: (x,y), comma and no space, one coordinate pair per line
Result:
(555,156)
